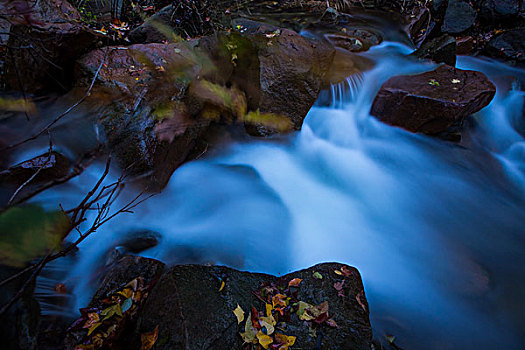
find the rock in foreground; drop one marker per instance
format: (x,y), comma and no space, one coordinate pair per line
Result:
(433,101)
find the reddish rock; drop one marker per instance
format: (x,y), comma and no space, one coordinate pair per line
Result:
(433,101)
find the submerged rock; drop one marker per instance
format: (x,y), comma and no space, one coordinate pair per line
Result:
(193,311)
(44,44)
(433,101)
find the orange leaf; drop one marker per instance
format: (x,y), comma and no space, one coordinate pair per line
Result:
(295,282)
(149,339)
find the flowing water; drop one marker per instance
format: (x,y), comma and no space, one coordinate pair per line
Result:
(436,229)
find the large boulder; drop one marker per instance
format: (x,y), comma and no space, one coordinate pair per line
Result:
(193,306)
(497,10)
(433,101)
(44,45)
(138,95)
(441,50)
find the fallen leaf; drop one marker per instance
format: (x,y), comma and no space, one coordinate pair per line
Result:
(93,327)
(239,313)
(222,286)
(92,318)
(337,272)
(358,298)
(330,322)
(390,339)
(284,340)
(126,305)
(126,293)
(250,333)
(264,340)
(267,323)
(279,300)
(346,271)
(268,310)
(149,339)
(456,81)
(295,282)
(339,288)
(111,311)
(317,276)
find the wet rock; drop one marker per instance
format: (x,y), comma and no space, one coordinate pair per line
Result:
(140,88)
(432,102)
(284,74)
(497,10)
(509,45)
(354,40)
(440,50)
(49,168)
(464,45)
(192,313)
(420,24)
(44,45)
(136,242)
(459,17)
(117,275)
(20,323)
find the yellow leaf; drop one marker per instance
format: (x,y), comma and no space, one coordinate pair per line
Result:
(92,319)
(249,335)
(268,324)
(222,286)
(268,310)
(93,327)
(279,300)
(264,340)
(149,339)
(239,313)
(126,293)
(338,272)
(111,311)
(285,340)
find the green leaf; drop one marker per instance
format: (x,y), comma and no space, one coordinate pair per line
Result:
(28,232)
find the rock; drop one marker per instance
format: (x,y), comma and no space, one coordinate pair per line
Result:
(19,324)
(432,102)
(354,40)
(420,24)
(464,45)
(136,242)
(498,10)
(509,45)
(44,46)
(52,167)
(117,275)
(283,74)
(193,312)
(145,122)
(440,50)
(459,17)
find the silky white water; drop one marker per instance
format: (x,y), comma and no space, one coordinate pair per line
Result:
(436,229)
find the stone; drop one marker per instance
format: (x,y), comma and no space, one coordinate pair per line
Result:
(498,10)
(440,50)
(509,45)
(52,167)
(432,102)
(193,312)
(44,46)
(459,17)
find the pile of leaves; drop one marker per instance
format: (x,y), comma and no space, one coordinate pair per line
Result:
(103,325)
(267,329)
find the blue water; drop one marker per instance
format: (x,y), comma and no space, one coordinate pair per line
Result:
(436,229)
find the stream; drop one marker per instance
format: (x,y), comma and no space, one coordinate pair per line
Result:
(435,228)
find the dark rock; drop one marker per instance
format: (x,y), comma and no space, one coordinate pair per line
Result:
(145,123)
(440,50)
(354,40)
(20,323)
(136,242)
(49,168)
(285,76)
(509,45)
(192,313)
(420,24)
(432,102)
(464,45)
(438,8)
(117,275)
(459,17)
(497,10)
(44,46)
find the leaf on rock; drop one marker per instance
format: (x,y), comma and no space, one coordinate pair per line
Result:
(264,340)
(346,271)
(250,333)
(267,323)
(126,305)
(339,288)
(284,340)
(330,322)
(239,313)
(93,327)
(222,286)
(111,311)
(92,318)
(295,282)
(149,339)
(279,300)
(317,276)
